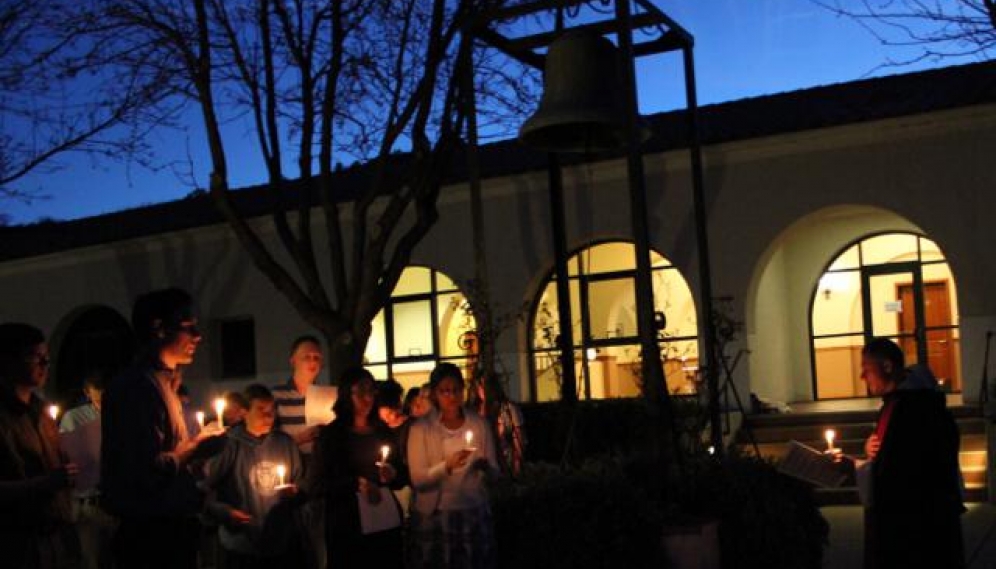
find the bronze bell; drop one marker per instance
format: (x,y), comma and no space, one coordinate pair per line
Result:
(581,110)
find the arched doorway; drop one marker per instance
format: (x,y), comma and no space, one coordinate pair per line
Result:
(426,321)
(603,304)
(896,285)
(94,339)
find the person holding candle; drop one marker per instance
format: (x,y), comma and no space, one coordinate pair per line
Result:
(449,452)
(912,519)
(259,468)
(148,459)
(35,479)
(353,472)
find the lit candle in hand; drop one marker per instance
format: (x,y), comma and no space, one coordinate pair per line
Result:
(219,409)
(200,419)
(53,410)
(384,452)
(281,472)
(469,436)
(830,435)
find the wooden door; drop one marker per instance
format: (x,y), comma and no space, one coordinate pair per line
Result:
(937,313)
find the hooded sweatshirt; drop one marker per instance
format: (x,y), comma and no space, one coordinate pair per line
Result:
(244,477)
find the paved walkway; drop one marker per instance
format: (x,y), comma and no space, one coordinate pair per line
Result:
(847,541)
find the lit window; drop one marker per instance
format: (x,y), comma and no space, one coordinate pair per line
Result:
(607,363)
(894,285)
(426,321)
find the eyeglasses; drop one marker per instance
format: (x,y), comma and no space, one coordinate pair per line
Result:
(190,328)
(39,360)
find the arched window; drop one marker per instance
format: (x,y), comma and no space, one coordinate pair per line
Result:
(426,321)
(603,306)
(893,285)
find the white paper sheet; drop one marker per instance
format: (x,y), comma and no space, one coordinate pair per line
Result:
(381,516)
(318,401)
(82,446)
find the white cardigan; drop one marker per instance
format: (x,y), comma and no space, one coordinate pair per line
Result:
(426,460)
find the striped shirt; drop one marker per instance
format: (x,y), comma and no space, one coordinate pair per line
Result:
(290,410)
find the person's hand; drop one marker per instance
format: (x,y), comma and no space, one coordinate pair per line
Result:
(287,491)
(185,450)
(308,435)
(387,472)
(370,490)
(457,460)
(239,518)
(836,454)
(871,447)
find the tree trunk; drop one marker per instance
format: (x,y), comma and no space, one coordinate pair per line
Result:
(345,350)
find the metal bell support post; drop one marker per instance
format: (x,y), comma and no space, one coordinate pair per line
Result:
(592,107)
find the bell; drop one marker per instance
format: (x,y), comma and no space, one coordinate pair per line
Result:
(581,110)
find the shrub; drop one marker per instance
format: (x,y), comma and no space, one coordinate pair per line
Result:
(576,518)
(766,518)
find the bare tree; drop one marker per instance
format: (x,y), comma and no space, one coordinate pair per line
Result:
(48,108)
(320,82)
(939,28)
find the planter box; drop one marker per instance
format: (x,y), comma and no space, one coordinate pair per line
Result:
(692,546)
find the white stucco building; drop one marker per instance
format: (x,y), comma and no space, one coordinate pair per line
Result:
(834,213)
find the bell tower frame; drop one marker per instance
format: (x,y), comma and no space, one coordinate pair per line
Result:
(666,36)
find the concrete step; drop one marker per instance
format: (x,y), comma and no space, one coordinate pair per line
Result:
(848,495)
(772,433)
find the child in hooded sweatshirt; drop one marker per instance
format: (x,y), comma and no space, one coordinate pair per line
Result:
(252,483)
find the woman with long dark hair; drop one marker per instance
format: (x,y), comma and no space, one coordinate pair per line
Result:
(356,465)
(449,452)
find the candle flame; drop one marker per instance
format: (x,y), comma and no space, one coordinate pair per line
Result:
(219,409)
(469,437)
(200,418)
(830,435)
(281,472)
(53,410)
(384,451)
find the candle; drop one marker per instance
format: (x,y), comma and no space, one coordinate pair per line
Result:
(53,410)
(200,419)
(384,451)
(281,472)
(469,436)
(830,435)
(219,409)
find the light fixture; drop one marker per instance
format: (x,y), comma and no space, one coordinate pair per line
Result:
(834,282)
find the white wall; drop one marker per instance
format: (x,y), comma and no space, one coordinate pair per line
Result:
(778,208)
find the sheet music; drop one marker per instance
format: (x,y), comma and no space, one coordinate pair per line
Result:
(381,516)
(318,402)
(806,463)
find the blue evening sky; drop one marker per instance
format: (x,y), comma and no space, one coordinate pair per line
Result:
(744,48)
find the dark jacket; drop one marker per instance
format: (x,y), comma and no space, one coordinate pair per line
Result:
(341,457)
(140,474)
(35,520)
(244,477)
(29,448)
(916,483)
